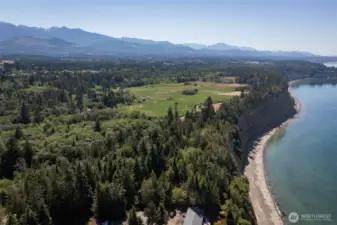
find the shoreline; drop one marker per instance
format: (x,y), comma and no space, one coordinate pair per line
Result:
(265,207)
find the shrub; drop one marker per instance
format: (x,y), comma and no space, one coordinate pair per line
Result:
(190,91)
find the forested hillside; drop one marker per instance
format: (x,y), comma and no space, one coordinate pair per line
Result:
(68,154)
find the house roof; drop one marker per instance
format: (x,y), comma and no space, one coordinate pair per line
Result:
(7,62)
(193,217)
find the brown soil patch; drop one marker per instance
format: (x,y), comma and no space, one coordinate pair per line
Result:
(178,219)
(220,84)
(92,221)
(216,106)
(135,107)
(233,93)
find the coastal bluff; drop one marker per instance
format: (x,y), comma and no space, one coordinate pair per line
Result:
(257,121)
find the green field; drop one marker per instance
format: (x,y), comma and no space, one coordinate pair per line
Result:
(154,100)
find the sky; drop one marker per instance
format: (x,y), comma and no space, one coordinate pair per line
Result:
(288,25)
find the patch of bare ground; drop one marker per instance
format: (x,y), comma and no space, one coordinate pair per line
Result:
(177,219)
(92,221)
(135,107)
(233,93)
(216,106)
(201,83)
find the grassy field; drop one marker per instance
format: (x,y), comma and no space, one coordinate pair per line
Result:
(154,100)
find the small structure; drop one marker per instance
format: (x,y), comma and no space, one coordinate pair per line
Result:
(6,65)
(194,216)
(105,223)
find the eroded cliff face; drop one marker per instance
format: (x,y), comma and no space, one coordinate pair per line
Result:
(255,122)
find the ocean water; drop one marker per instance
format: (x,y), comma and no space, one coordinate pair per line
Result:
(301,160)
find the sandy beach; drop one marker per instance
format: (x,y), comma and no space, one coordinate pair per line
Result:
(265,208)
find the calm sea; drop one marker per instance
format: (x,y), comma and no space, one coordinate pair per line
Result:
(301,160)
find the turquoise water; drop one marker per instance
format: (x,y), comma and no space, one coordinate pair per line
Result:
(302,164)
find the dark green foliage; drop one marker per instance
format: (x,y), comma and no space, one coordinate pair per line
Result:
(162,216)
(24,116)
(151,213)
(83,158)
(106,198)
(12,220)
(37,115)
(208,110)
(190,92)
(10,158)
(133,219)
(152,190)
(97,127)
(28,153)
(79,99)
(18,133)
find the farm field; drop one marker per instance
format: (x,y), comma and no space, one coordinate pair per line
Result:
(154,100)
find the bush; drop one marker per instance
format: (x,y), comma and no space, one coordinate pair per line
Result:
(190,91)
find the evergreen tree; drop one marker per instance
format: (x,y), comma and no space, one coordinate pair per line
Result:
(161,217)
(9,158)
(24,116)
(28,218)
(230,218)
(133,219)
(96,205)
(151,213)
(208,111)
(107,197)
(44,216)
(72,107)
(28,153)
(18,133)
(170,116)
(12,220)
(79,98)
(176,114)
(37,115)
(97,127)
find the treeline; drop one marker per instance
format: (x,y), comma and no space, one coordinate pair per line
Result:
(34,103)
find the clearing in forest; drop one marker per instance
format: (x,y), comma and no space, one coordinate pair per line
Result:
(154,100)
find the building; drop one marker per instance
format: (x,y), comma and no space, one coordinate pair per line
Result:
(194,216)
(6,65)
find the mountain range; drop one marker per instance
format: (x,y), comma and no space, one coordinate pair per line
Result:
(66,41)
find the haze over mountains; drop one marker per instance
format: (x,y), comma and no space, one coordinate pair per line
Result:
(65,41)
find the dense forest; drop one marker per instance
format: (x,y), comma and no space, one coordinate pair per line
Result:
(67,155)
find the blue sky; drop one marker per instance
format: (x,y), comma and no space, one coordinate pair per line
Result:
(295,25)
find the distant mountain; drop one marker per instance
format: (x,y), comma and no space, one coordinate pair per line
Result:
(293,53)
(221,47)
(195,46)
(63,40)
(77,36)
(144,41)
(28,44)
(218,47)
(140,47)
